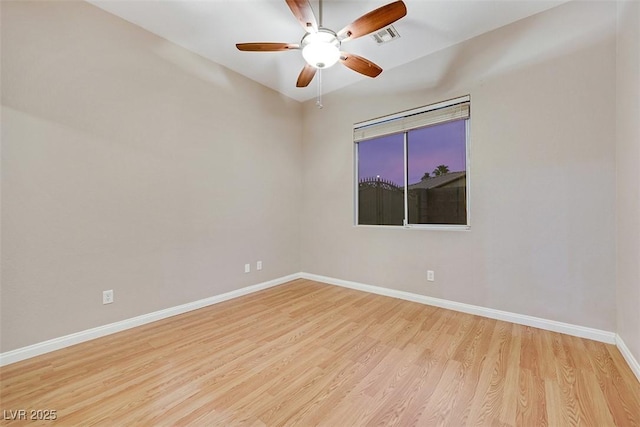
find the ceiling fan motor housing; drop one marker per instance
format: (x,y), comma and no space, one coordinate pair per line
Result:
(321,49)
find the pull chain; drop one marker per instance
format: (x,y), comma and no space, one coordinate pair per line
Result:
(319,94)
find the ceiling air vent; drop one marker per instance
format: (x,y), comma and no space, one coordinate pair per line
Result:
(385,35)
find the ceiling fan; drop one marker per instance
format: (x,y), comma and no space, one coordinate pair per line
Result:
(321,46)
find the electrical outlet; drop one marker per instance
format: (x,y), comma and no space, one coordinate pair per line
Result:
(430,275)
(247,268)
(107,296)
(259,265)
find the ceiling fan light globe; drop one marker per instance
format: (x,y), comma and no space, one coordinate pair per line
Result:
(321,49)
(321,54)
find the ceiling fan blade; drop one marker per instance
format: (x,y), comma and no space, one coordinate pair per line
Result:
(304,14)
(306,75)
(373,21)
(266,47)
(360,64)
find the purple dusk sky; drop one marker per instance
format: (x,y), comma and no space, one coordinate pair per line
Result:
(428,147)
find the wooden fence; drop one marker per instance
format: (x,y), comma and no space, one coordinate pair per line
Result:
(381,202)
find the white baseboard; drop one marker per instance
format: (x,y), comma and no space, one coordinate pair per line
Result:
(520,319)
(550,325)
(89,334)
(628,356)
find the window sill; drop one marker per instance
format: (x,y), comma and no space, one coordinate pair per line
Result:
(433,227)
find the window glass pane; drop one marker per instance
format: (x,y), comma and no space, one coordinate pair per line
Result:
(381,180)
(437,174)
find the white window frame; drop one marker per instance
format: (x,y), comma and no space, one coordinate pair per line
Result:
(401,115)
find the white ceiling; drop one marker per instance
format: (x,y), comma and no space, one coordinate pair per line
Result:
(211,28)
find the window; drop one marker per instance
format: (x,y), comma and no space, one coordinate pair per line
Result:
(412,167)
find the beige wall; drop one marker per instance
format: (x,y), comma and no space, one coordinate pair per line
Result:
(542,173)
(628,175)
(130,164)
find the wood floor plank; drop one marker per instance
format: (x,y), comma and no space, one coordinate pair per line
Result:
(440,406)
(307,353)
(531,409)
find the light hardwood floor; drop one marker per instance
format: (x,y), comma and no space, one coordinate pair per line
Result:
(306,353)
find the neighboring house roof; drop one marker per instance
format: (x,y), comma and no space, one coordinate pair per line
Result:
(438,181)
